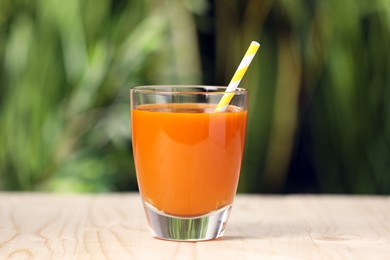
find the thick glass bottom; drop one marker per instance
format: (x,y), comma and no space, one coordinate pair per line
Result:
(200,228)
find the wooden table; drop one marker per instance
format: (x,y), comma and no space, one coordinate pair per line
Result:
(113,226)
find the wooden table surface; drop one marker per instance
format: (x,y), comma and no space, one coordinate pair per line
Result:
(113,226)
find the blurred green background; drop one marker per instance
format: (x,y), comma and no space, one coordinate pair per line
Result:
(320,88)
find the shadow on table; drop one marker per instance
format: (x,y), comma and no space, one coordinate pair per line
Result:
(266,230)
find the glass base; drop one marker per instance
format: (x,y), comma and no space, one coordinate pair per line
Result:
(168,227)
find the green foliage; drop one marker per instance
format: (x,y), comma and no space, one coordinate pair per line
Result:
(319,83)
(353,102)
(66,70)
(323,71)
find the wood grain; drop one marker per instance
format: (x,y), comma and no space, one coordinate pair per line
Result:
(113,226)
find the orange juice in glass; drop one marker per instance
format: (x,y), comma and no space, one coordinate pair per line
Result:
(187,158)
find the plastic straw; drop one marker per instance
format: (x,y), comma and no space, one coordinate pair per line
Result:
(238,75)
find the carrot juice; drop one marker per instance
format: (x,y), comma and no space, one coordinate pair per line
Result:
(187,156)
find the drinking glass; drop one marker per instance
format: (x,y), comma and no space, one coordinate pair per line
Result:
(187,157)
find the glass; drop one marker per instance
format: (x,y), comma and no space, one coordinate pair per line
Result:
(187,158)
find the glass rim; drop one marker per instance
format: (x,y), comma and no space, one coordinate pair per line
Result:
(167,89)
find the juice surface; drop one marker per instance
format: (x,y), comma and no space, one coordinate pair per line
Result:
(187,157)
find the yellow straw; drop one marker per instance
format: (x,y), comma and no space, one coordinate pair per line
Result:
(238,75)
